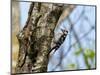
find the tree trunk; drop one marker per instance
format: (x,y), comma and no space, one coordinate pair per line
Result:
(36,37)
(15,30)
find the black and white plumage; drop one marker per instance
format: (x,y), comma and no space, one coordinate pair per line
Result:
(60,41)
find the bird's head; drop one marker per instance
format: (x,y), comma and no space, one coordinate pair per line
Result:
(64,31)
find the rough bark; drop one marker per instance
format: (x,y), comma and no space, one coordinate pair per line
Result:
(36,37)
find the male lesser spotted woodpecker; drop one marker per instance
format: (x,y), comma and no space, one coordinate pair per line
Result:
(60,41)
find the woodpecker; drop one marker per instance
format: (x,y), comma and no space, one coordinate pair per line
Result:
(60,41)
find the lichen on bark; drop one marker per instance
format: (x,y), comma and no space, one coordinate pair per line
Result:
(36,37)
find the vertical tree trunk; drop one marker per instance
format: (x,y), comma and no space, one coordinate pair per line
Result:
(35,38)
(15,30)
